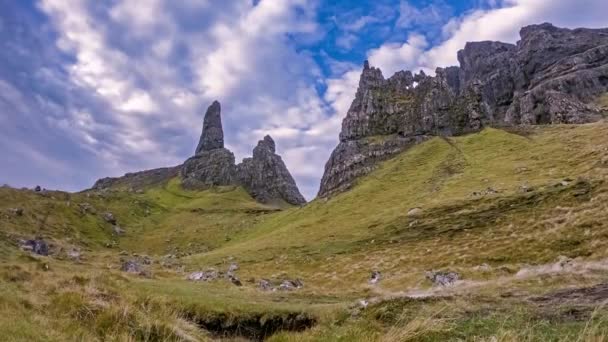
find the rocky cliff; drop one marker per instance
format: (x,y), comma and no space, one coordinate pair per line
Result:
(552,75)
(264,176)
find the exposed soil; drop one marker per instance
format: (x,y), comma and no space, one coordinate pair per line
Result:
(255,327)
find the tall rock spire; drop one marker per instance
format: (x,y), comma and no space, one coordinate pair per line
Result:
(212,137)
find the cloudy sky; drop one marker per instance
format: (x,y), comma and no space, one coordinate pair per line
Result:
(94,88)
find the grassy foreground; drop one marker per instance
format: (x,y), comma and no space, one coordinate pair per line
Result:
(520,216)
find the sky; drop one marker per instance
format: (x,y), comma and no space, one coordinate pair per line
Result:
(96,88)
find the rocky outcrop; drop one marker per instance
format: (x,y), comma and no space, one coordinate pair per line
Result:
(266,177)
(138,180)
(552,75)
(212,164)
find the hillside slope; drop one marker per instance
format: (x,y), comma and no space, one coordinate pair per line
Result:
(518,215)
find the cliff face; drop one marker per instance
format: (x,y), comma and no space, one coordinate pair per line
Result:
(551,76)
(264,176)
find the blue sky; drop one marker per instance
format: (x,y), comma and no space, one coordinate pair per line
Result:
(92,88)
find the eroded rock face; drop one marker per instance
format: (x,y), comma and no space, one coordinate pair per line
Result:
(212,165)
(212,137)
(266,177)
(209,168)
(551,76)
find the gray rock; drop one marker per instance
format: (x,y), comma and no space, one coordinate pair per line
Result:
(36,246)
(290,285)
(117,230)
(208,275)
(375,277)
(208,169)
(265,285)
(131,266)
(37,188)
(442,278)
(265,176)
(212,137)
(551,76)
(109,217)
(16,211)
(235,280)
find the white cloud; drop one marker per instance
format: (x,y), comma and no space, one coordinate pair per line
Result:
(393,57)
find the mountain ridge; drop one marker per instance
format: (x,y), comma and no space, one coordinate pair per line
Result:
(552,75)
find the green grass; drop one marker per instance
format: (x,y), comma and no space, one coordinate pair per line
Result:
(332,245)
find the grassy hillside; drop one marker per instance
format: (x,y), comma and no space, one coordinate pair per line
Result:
(519,215)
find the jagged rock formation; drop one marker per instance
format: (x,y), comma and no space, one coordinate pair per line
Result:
(212,164)
(212,137)
(266,177)
(552,75)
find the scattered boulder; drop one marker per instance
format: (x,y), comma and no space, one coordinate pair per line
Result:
(37,188)
(235,280)
(86,208)
(109,217)
(442,278)
(74,254)
(208,275)
(290,285)
(415,212)
(375,277)
(132,266)
(265,285)
(36,246)
(16,211)
(117,230)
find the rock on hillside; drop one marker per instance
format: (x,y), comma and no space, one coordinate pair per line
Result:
(551,76)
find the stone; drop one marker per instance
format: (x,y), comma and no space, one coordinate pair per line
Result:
(109,217)
(235,280)
(442,278)
(208,275)
(415,212)
(16,211)
(131,266)
(37,188)
(117,230)
(265,285)
(74,254)
(290,285)
(266,177)
(36,246)
(86,208)
(212,137)
(551,76)
(375,277)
